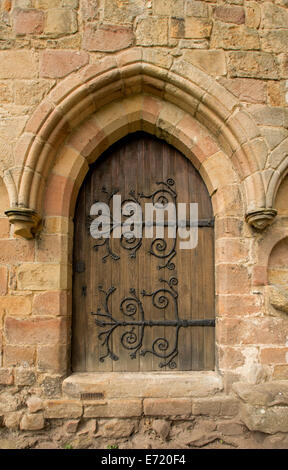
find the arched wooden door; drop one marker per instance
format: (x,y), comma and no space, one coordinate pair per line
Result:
(142,304)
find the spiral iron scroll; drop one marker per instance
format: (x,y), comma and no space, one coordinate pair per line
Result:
(131,308)
(158,248)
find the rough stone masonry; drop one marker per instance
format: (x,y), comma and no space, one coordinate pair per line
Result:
(211,78)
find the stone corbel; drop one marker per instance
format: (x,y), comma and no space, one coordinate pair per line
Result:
(26,222)
(261,218)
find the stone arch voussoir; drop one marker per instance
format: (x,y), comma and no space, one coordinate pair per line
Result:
(132,73)
(118,119)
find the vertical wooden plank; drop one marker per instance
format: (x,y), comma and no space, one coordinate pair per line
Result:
(145,268)
(153,163)
(99,272)
(126,266)
(184,268)
(166,273)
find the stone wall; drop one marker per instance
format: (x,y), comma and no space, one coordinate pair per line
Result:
(209,77)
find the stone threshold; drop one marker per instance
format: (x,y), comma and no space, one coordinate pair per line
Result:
(101,386)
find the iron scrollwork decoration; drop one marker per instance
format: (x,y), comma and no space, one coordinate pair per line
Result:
(160,198)
(133,317)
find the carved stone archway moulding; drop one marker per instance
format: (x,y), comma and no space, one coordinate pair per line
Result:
(130,73)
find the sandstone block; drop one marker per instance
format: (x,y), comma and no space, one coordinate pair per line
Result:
(71,426)
(15,356)
(3,280)
(52,303)
(264,394)
(215,406)
(58,64)
(283,58)
(26,64)
(38,276)
(12,419)
(168,7)
(268,116)
(230,14)
(60,21)
(31,92)
(7,4)
(278,298)
(89,427)
(118,12)
(274,40)
(117,385)
(32,422)
(268,420)
(246,89)
(230,358)
(70,3)
(274,16)
(58,196)
(230,428)
(52,248)
(152,31)
(89,10)
(280,372)
(53,358)
(252,64)
(29,21)
(252,15)
(57,225)
(16,249)
(197,28)
(62,409)
(162,428)
(167,407)
(228,36)
(252,331)
(193,44)
(233,279)
(46,4)
(24,376)
(232,250)
(218,168)
(273,355)
(275,158)
(107,38)
(16,304)
(114,409)
(6,377)
(8,403)
(177,28)
(51,385)
(196,8)
(238,305)
(200,439)
(116,429)
(4,223)
(276,95)
(34,404)
(35,331)
(212,62)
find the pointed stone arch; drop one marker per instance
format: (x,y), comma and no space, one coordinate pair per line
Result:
(99,87)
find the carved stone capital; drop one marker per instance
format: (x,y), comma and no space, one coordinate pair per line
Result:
(261,218)
(26,222)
